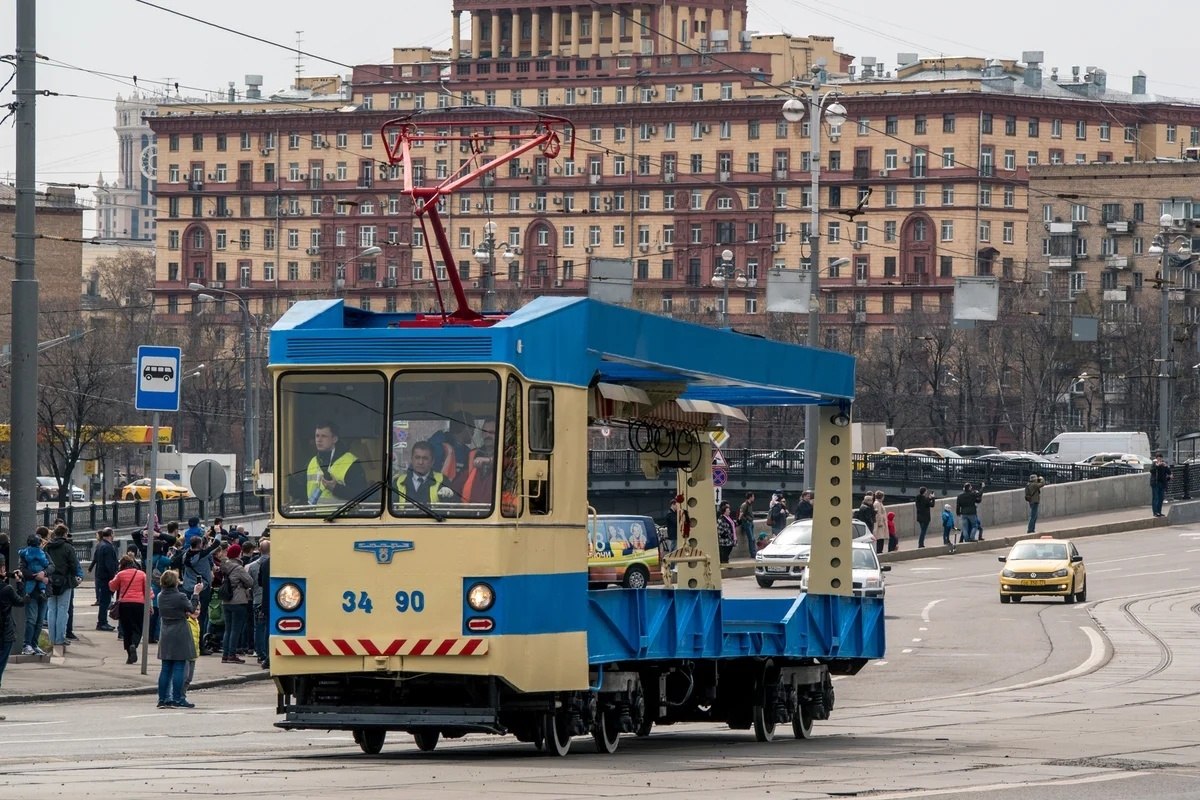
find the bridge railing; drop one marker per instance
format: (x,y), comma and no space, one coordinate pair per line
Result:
(944,474)
(126,513)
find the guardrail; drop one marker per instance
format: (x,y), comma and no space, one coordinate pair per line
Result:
(754,465)
(134,513)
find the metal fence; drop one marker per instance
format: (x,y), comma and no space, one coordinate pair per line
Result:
(133,514)
(754,465)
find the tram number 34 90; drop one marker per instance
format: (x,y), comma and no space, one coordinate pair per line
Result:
(405,601)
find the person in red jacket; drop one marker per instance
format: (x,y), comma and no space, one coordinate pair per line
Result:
(130,586)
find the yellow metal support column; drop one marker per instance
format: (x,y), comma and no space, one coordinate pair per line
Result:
(829,563)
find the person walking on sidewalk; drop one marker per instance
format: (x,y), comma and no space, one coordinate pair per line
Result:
(130,586)
(726,532)
(104,568)
(175,644)
(1033,496)
(881,522)
(925,504)
(1160,477)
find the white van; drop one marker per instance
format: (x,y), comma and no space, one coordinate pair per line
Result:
(1068,448)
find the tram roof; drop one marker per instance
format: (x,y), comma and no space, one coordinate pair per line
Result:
(577,341)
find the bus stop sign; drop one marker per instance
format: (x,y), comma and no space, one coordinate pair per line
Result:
(157,379)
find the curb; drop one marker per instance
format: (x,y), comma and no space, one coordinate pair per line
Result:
(127,691)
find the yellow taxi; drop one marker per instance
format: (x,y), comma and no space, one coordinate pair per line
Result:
(1045,567)
(163,490)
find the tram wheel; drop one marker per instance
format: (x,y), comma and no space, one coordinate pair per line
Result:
(370,740)
(764,725)
(558,741)
(802,724)
(426,740)
(606,733)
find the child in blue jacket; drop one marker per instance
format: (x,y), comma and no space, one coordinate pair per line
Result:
(947,523)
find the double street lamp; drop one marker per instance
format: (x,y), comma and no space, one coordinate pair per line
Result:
(1161,247)
(207,294)
(723,275)
(486,256)
(817,106)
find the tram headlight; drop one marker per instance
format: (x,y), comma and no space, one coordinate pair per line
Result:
(481,597)
(289,597)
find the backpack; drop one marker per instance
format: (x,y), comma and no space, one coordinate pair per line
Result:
(225,590)
(58,580)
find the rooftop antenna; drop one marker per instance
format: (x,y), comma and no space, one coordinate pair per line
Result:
(299,58)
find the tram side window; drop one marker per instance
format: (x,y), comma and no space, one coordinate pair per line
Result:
(331,443)
(511,499)
(443,443)
(541,445)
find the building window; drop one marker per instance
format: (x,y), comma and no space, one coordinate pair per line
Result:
(1034,127)
(1009,233)
(947,230)
(947,123)
(947,157)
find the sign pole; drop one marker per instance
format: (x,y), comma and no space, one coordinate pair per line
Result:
(157,381)
(150,521)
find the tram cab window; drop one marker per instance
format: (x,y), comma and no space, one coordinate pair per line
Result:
(541,444)
(443,443)
(331,443)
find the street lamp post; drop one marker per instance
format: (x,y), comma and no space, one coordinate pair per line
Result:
(1161,247)
(205,295)
(179,414)
(486,256)
(367,252)
(818,106)
(722,277)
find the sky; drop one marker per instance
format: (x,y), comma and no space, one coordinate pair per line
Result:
(76,141)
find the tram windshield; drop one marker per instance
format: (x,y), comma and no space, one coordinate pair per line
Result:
(443,443)
(332,443)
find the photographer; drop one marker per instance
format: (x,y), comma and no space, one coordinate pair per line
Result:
(11,594)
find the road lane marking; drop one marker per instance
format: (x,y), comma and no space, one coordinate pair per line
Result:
(927,569)
(1008,787)
(1139,574)
(922,629)
(907,650)
(929,607)
(914,640)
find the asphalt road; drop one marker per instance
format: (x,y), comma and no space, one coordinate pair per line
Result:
(974,699)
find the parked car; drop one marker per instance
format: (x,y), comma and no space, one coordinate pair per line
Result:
(974,450)
(866,572)
(4,495)
(772,460)
(163,490)
(786,557)
(935,452)
(1117,463)
(1012,466)
(908,466)
(47,490)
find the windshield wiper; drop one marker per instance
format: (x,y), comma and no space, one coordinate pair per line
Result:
(353,501)
(435,514)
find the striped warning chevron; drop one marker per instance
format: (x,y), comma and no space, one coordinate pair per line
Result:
(369,647)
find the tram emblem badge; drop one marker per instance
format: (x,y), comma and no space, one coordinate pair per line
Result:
(383,549)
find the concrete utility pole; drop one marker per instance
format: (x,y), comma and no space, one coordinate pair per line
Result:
(23,391)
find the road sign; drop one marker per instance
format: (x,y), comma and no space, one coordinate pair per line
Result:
(718,437)
(208,480)
(720,476)
(718,458)
(157,378)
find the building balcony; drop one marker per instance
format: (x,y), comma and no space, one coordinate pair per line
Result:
(1116,262)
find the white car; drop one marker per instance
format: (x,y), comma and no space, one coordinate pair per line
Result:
(867,572)
(786,557)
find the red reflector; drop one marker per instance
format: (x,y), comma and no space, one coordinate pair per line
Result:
(290,624)
(480,624)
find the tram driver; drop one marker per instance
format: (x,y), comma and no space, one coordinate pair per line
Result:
(333,474)
(420,482)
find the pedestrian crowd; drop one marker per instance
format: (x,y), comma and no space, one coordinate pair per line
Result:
(206,595)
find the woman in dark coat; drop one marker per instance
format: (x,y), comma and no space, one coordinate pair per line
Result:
(10,595)
(176,647)
(925,503)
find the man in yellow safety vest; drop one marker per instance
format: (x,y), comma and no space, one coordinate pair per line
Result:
(420,482)
(333,475)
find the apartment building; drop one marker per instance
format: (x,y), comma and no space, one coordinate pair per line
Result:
(681,152)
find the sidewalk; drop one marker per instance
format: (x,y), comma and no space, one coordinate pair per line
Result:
(94,666)
(1001,537)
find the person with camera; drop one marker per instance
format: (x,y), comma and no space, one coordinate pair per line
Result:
(33,565)
(104,567)
(333,475)
(11,595)
(65,573)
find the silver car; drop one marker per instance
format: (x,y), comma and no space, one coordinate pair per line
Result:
(867,572)
(786,557)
